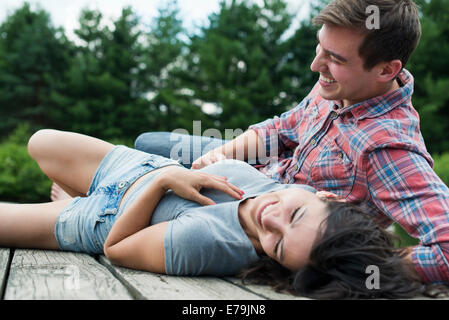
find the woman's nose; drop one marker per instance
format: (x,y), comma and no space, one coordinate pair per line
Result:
(273,222)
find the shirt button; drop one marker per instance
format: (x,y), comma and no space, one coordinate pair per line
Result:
(340,155)
(313,142)
(333,115)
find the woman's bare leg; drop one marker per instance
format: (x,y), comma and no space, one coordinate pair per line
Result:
(58,192)
(30,225)
(69,159)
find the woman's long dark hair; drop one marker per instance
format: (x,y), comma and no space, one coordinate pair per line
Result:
(337,269)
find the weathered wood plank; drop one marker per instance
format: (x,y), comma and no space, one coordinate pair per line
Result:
(56,275)
(265,291)
(152,286)
(4,259)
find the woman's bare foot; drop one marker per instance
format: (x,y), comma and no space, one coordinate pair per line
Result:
(57,193)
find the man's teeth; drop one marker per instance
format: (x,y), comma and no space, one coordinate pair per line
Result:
(327,79)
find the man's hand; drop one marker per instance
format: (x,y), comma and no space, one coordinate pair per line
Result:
(207,159)
(187,184)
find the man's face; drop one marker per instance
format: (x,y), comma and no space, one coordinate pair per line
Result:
(342,76)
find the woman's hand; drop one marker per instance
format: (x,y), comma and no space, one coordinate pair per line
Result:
(187,184)
(207,159)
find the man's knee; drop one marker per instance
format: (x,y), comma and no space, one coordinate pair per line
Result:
(153,142)
(142,140)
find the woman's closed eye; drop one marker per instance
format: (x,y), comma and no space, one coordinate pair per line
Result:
(294,214)
(278,243)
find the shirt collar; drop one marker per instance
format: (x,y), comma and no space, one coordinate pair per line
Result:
(379,105)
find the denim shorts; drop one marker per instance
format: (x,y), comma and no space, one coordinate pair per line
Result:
(84,224)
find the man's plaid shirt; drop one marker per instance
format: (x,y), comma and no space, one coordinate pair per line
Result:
(372,151)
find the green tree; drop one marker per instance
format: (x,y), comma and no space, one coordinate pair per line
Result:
(169,102)
(430,67)
(104,92)
(235,62)
(33,57)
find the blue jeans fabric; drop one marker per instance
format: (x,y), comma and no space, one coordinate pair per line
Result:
(182,147)
(84,224)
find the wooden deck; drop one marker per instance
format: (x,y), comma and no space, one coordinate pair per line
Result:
(57,275)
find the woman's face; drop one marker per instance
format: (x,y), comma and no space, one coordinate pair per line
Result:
(285,223)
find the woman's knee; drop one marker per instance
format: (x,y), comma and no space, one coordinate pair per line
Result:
(40,142)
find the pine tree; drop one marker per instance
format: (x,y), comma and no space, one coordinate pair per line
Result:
(33,57)
(235,63)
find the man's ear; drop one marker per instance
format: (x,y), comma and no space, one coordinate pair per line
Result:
(326,195)
(389,70)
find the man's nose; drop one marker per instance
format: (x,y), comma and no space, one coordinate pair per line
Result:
(318,64)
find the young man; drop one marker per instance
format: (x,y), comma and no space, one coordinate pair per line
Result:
(356,134)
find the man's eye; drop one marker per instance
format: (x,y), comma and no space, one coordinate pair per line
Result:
(334,61)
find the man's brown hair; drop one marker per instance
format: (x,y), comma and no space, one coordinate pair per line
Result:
(396,37)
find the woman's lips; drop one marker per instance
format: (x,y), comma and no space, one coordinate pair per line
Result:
(259,213)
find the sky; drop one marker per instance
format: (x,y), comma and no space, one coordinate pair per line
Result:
(65,13)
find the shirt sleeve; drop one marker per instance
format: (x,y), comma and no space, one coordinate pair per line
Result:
(281,134)
(404,186)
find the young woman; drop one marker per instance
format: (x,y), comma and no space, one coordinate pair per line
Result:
(147,212)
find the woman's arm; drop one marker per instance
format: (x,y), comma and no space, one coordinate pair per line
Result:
(130,236)
(132,243)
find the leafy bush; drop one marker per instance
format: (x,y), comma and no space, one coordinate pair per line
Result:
(21,179)
(405,239)
(441,166)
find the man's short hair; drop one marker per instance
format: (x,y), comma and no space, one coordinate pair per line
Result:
(396,37)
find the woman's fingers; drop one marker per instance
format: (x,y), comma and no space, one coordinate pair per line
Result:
(224,186)
(224,179)
(205,201)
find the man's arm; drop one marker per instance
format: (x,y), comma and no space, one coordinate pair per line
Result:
(403,185)
(246,147)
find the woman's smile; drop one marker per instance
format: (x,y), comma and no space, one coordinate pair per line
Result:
(263,211)
(272,224)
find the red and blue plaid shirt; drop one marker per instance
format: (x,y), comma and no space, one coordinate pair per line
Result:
(372,151)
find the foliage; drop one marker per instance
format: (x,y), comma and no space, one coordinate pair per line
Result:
(32,55)
(21,179)
(441,166)
(430,67)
